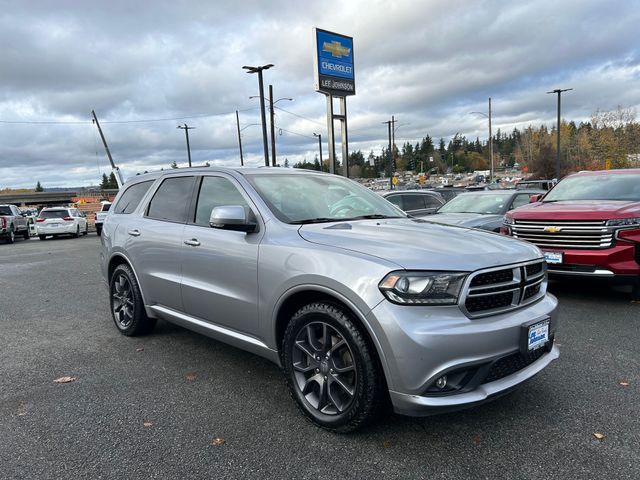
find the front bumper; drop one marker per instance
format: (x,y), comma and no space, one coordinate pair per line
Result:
(420,344)
(621,259)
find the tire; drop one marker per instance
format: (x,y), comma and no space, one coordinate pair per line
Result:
(635,290)
(11,236)
(26,235)
(99,230)
(77,234)
(340,391)
(125,300)
(86,230)
(42,237)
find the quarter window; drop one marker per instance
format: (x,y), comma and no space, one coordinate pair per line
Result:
(131,197)
(172,199)
(216,192)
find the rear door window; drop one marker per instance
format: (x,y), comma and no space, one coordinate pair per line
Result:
(131,197)
(413,202)
(171,200)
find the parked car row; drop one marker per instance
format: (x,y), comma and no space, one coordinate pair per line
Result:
(50,222)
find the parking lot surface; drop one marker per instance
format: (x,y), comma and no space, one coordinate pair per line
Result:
(175,404)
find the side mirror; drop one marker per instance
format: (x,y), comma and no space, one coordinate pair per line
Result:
(232,217)
(536,198)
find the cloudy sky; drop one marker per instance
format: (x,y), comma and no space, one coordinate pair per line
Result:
(146,67)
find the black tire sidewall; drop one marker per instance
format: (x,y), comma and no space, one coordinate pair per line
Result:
(141,323)
(363,406)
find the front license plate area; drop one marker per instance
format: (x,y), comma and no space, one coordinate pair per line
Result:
(553,257)
(534,336)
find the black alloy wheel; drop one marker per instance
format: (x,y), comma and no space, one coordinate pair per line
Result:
(332,371)
(26,234)
(11,237)
(127,306)
(77,234)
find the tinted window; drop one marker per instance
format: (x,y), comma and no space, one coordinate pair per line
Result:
(395,199)
(216,192)
(5,211)
(54,213)
(107,206)
(413,202)
(172,199)
(432,202)
(131,197)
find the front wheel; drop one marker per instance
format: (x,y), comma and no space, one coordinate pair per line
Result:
(42,237)
(77,234)
(26,235)
(332,371)
(11,236)
(86,230)
(127,307)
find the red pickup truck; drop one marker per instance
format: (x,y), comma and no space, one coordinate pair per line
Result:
(588,224)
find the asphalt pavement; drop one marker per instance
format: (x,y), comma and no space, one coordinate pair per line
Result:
(175,404)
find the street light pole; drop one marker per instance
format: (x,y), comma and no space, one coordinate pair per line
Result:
(186,129)
(259,70)
(273,130)
(490,138)
(559,92)
(320,147)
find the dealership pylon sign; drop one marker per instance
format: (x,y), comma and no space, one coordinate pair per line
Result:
(334,75)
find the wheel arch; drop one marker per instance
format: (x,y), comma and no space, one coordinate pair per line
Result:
(297,297)
(120,259)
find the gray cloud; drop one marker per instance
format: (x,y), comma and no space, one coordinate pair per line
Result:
(429,63)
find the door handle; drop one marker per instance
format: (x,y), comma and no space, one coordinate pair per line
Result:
(193,242)
(134,233)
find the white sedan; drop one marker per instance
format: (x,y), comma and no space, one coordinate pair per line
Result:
(61,221)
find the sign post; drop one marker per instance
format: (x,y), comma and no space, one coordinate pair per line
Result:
(334,76)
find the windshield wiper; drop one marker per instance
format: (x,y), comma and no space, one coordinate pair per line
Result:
(373,216)
(315,220)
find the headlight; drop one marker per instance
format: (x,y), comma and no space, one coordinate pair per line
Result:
(422,288)
(508,221)
(624,222)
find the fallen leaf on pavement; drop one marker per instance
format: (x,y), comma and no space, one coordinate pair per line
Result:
(386,443)
(22,410)
(476,439)
(216,442)
(191,376)
(65,379)
(598,436)
(147,423)
(624,383)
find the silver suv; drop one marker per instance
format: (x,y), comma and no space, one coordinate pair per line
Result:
(359,304)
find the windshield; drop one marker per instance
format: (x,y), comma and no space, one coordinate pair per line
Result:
(623,186)
(299,198)
(486,204)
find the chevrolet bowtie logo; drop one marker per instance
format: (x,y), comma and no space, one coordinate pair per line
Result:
(552,229)
(336,49)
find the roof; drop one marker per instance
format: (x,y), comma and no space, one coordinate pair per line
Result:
(619,171)
(240,170)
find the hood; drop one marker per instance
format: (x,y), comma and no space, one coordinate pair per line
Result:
(577,210)
(421,245)
(463,219)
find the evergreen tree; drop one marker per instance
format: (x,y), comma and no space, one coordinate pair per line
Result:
(105,182)
(113,183)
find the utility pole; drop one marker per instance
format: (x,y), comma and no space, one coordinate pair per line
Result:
(186,129)
(559,92)
(389,126)
(239,138)
(259,70)
(490,143)
(393,140)
(118,175)
(273,130)
(320,147)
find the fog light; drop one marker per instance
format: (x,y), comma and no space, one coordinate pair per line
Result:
(441,382)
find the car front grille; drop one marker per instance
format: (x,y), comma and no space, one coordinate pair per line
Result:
(563,233)
(504,288)
(511,364)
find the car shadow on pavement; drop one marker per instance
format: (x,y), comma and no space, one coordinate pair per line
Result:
(589,289)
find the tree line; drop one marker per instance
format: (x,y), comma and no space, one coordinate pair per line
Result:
(609,139)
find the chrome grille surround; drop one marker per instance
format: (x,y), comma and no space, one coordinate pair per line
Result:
(573,234)
(528,284)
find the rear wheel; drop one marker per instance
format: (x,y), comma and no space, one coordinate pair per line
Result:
(99,229)
(86,229)
(42,237)
(331,370)
(127,307)
(11,236)
(635,290)
(26,234)
(77,234)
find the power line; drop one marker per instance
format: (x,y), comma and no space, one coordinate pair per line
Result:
(294,133)
(300,116)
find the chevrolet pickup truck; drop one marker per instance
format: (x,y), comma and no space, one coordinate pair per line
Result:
(587,225)
(13,222)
